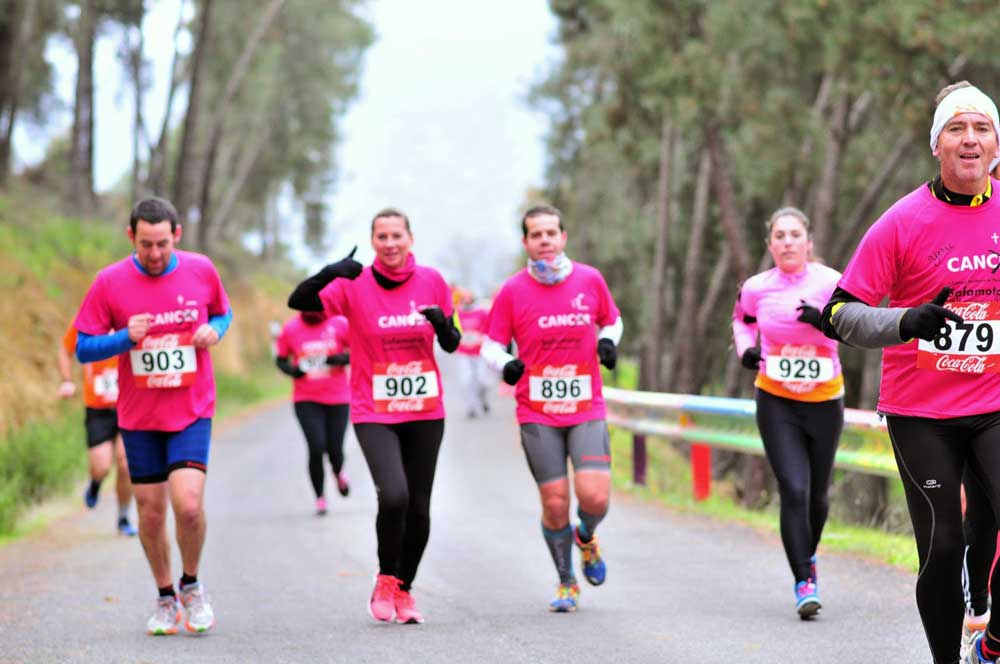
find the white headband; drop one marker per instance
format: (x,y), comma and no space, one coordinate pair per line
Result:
(963,100)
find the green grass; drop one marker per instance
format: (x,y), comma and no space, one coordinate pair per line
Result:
(38,460)
(668,482)
(47,459)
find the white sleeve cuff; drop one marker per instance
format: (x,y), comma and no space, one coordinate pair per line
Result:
(495,355)
(612,332)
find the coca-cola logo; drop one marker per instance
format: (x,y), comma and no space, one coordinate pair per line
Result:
(164,380)
(406,406)
(975,364)
(971,310)
(560,407)
(807,350)
(405,369)
(565,371)
(161,341)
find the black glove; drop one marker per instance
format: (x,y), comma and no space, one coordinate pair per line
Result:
(925,321)
(607,352)
(346,267)
(751,358)
(305,297)
(810,315)
(435,316)
(338,359)
(512,371)
(288,368)
(448,335)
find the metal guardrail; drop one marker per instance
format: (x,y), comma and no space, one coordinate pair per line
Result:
(675,416)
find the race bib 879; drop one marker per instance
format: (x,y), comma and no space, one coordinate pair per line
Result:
(972,346)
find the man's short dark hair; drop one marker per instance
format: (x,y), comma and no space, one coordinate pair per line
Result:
(391,212)
(538,210)
(154,210)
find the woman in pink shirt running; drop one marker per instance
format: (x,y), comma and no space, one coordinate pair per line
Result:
(800,388)
(396,308)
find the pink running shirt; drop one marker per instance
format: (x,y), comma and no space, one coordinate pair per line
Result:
(394,376)
(307,347)
(803,364)
(916,248)
(175,384)
(555,328)
(473,328)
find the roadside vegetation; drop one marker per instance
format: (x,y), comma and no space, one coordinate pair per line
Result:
(669,482)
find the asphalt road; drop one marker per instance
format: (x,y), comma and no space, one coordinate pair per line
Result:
(288,586)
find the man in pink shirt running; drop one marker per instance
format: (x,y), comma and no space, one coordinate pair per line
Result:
(564,320)
(935,255)
(168,308)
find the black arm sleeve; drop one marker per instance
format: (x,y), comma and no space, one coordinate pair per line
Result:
(826,318)
(305,297)
(338,359)
(448,335)
(288,368)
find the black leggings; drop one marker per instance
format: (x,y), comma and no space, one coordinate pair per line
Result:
(324,427)
(800,440)
(980,528)
(402,458)
(932,456)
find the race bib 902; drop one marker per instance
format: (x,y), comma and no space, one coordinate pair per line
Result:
(405,387)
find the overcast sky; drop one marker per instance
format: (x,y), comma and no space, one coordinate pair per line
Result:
(441,128)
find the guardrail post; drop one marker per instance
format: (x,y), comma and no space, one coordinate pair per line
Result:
(701,470)
(639,459)
(701,464)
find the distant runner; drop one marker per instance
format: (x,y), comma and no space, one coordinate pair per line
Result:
(104,442)
(564,321)
(800,388)
(313,349)
(168,307)
(396,308)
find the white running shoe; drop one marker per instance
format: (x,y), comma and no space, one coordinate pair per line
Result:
(167,617)
(200,617)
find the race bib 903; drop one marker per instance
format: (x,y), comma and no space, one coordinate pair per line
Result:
(972,346)
(164,361)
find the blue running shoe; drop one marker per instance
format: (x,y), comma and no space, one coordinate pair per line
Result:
(807,599)
(594,569)
(566,598)
(90,497)
(126,528)
(974,655)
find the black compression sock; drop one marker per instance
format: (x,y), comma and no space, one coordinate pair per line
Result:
(187,579)
(167,591)
(95,486)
